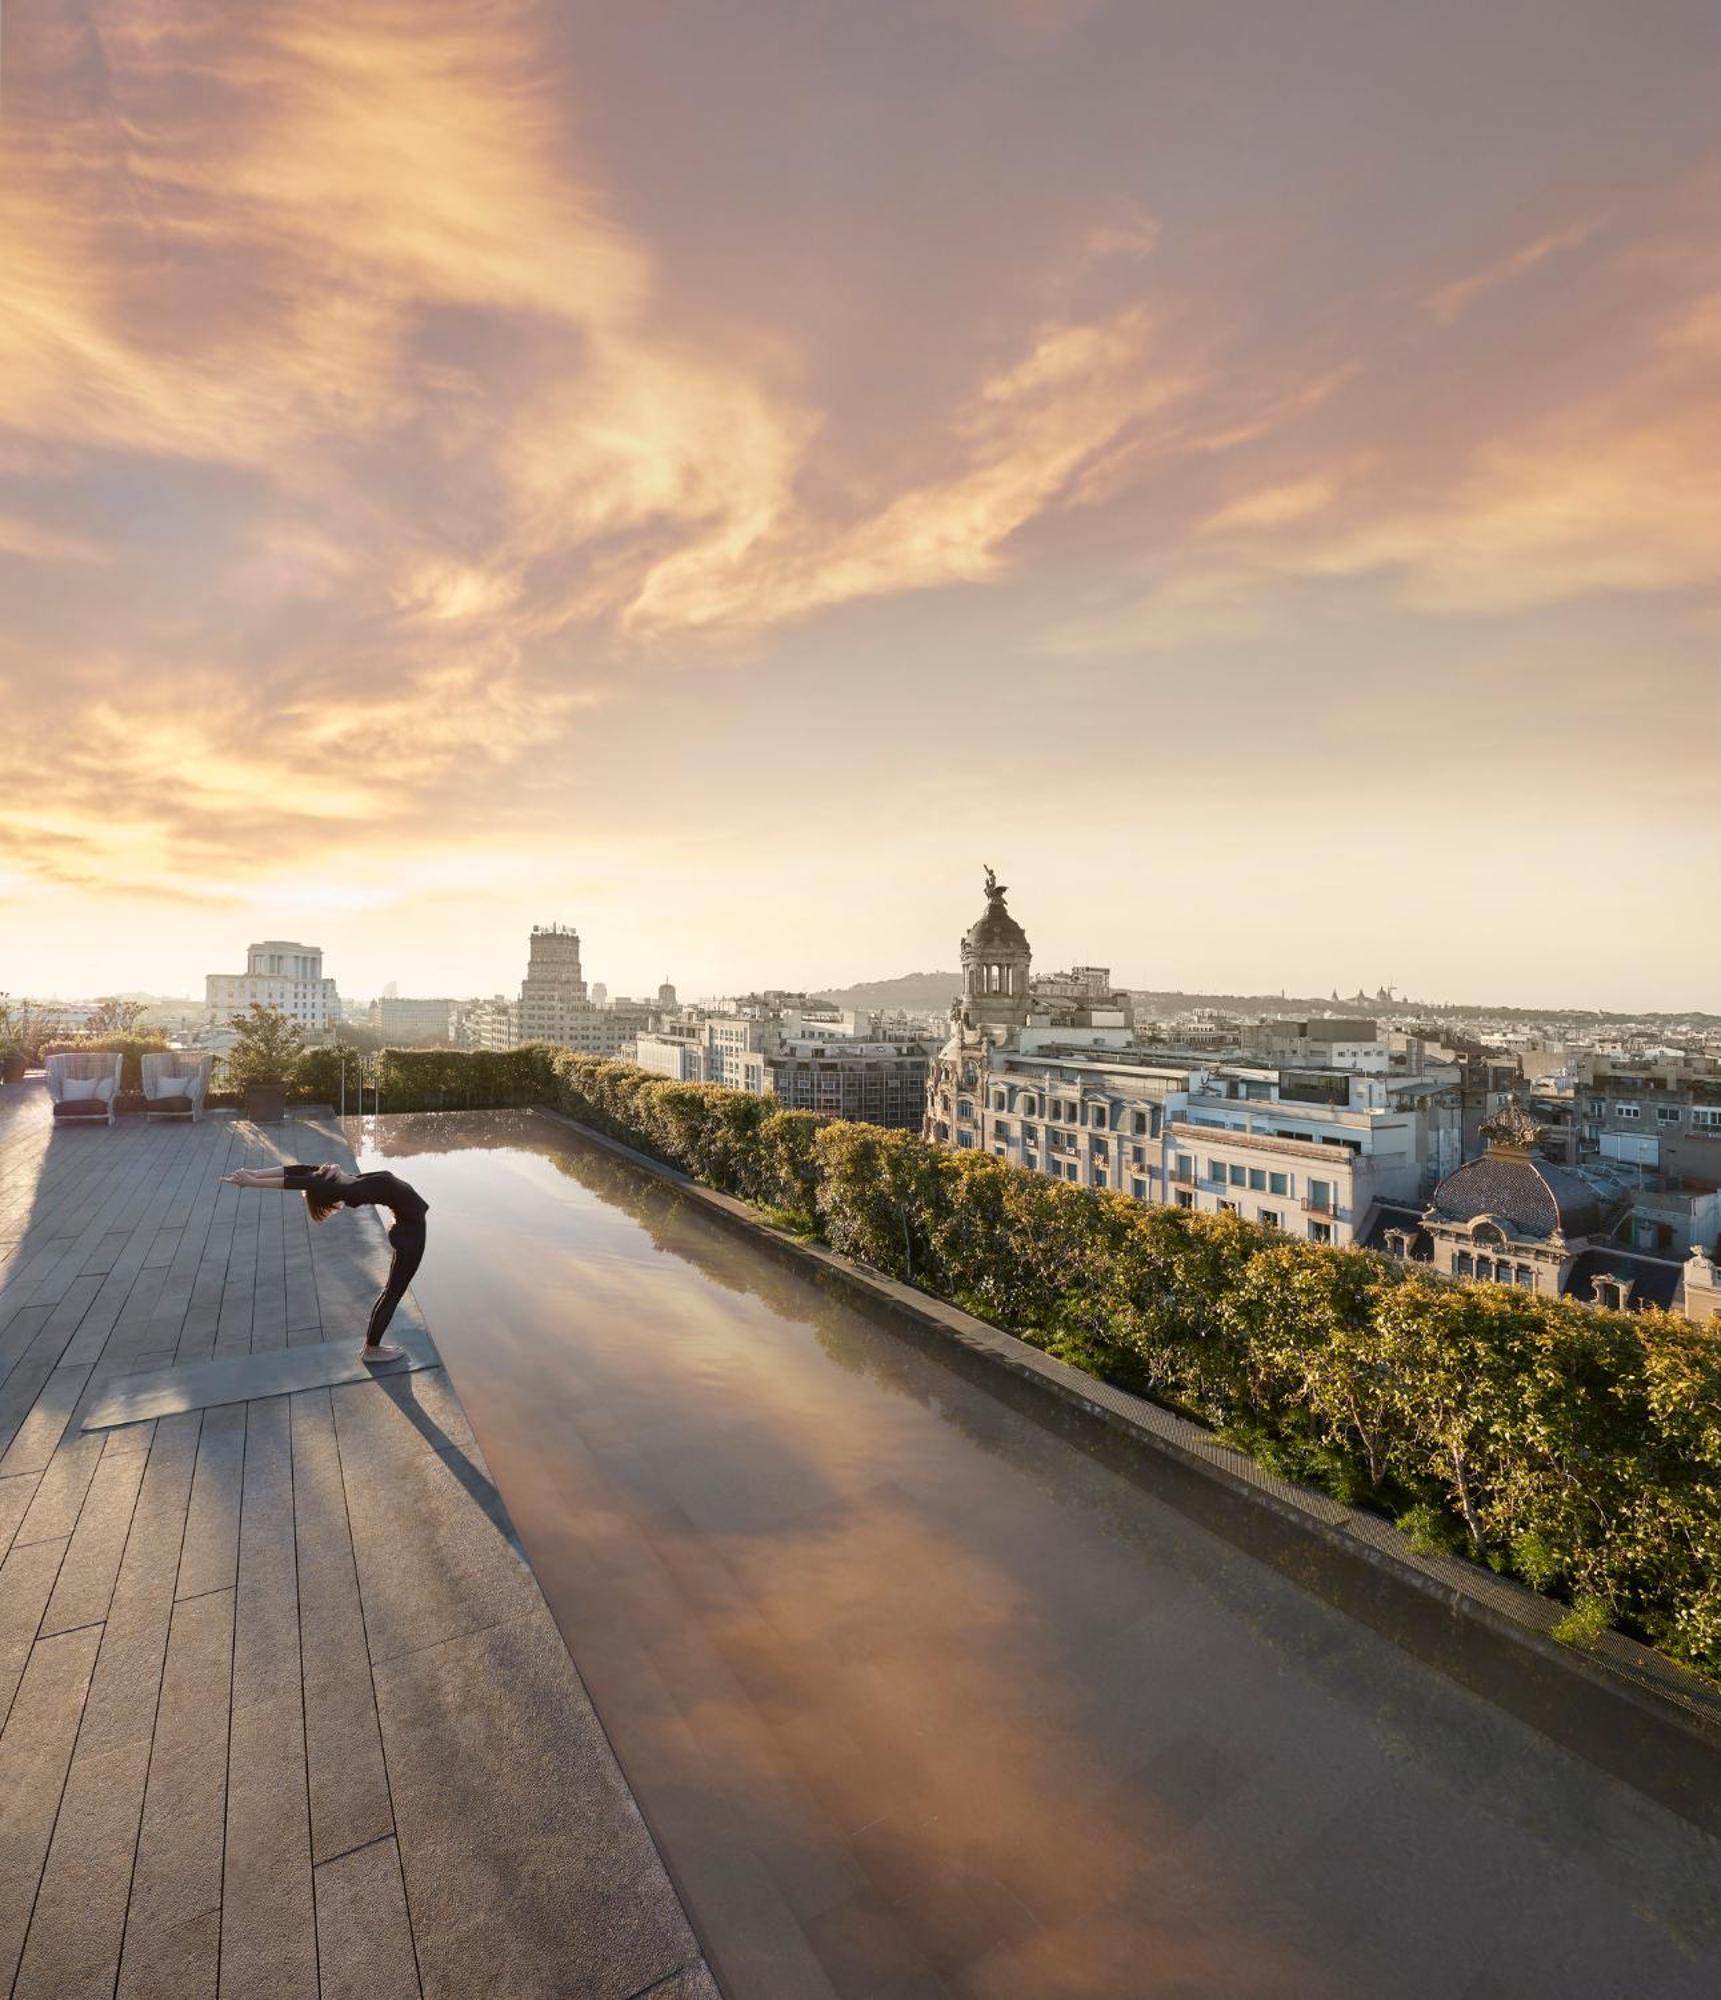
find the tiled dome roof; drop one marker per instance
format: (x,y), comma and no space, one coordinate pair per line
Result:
(997,933)
(1533,1195)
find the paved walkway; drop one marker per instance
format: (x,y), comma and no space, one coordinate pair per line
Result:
(283,1711)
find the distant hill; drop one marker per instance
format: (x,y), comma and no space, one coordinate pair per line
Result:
(917,992)
(932,993)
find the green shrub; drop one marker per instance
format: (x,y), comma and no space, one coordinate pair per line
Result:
(268,1046)
(1431,1530)
(1584,1624)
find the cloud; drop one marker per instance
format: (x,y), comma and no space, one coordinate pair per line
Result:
(1449,302)
(1021,443)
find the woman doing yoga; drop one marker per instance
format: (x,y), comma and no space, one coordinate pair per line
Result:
(325,1189)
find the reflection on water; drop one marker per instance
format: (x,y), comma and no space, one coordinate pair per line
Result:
(922,1695)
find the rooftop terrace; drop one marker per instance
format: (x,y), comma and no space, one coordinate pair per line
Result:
(917,1681)
(284,1710)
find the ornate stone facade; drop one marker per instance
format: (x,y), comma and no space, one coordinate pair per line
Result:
(996,959)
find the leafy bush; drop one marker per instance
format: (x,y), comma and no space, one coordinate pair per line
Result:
(267,1048)
(132,1047)
(1584,1624)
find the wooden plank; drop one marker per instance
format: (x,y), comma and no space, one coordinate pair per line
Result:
(35,1753)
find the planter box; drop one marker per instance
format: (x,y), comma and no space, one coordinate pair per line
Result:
(265,1103)
(11,1069)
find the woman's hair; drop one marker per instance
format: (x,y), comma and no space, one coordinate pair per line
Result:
(323,1193)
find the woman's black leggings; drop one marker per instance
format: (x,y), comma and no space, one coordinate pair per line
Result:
(408,1241)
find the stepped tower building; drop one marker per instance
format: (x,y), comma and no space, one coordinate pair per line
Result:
(553,993)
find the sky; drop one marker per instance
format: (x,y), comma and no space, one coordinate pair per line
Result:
(719,475)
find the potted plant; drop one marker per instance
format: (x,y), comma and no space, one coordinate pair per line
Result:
(14,1043)
(262,1061)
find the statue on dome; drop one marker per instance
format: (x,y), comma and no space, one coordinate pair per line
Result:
(995,893)
(1511,1127)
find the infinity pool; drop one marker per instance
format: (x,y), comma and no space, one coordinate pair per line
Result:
(921,1698)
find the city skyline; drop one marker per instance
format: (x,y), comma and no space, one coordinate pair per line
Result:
(715,475)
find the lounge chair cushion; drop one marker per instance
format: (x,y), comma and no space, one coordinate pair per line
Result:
(171,1104)
(80,1089)
(83,1107)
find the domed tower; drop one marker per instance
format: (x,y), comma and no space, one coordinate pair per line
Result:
(993,1003)
(995,961)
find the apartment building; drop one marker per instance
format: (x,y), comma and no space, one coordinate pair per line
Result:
(1323,1042)
(808,1060)
(490,1024)
(279,974)
(878,1083)
(413,1023)
(1657,1112)
(1222,1141)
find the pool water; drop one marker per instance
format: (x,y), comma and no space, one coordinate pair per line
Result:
(920,1697)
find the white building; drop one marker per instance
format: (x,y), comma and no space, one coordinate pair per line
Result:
(281,975)
(719,1048)
(490,1024)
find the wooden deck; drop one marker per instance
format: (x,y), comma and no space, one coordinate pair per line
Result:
(283,1710)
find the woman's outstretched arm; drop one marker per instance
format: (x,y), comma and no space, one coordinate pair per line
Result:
(256,1177)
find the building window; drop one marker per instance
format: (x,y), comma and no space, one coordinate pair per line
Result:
(1227,1208)
(1184,1198)
(965,1110)
(1525,1276)
(1278,1184)
(1708,1120)
(1072,1172)
(1239,1175)
(1030,1105)
(1029,1135)
(1097,1146)
(1140,1122)
(1001,1131)
(1031,1160)
(1464,1264)
(1182,1167)
(1320,1195)
(1270,1218)
(1099,1177)
(1138,1189)
(1258,1179)
(1320,1232)
(1626,1111)
(999,1101)
(1138,1156)
(1667,1114)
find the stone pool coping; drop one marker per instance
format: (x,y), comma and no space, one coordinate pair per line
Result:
(1622,1706)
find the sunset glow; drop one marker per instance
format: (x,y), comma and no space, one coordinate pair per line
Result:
(715,474)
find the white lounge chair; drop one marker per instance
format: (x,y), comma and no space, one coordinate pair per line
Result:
(83,1084)
(175,1084)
